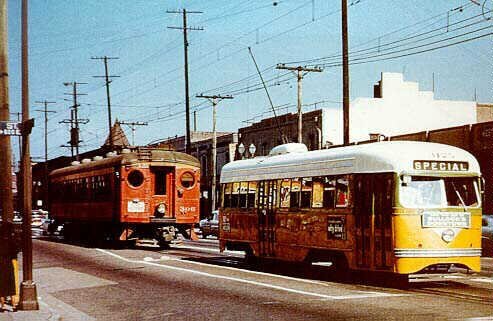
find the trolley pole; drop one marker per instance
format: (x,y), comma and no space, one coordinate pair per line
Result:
(345,73)
(28,293)
(45,176)
(300,73)
(187,97)
(215,99)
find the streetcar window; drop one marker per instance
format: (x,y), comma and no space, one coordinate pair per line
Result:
(295,193)
(342,192)
(243,194)
(84,189)
(329,192)
(235,194)
(440,192)
(318,192)
(227,195)
(160,182)
(306,192)
(135,178)
(187,180)
(461,191)
(252,190)
(285,193)
(101,187)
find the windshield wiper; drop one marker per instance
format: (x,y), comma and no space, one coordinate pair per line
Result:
(459,196)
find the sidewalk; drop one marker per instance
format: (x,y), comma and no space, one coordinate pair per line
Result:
(50,308)
(43,314)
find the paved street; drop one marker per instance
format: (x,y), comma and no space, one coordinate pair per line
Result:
(192,281)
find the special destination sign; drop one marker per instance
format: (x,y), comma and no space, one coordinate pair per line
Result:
(445,166)
(446,219)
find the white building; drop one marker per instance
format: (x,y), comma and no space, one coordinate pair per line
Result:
(399,107)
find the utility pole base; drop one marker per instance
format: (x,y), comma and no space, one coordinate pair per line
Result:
(28,296)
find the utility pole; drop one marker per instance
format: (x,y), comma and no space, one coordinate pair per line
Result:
(28,293)
(185,46)
(45,178)
(71,141)
(74,118)
(132,127)
(300,73)
(345,72)
(214,99)
(108,81)
(6,196)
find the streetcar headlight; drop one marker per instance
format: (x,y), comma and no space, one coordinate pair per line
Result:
(161,208)
(448,235)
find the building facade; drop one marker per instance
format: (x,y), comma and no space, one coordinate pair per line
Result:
(398,107)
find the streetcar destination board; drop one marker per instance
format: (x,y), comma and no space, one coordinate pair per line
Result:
(446,219)
(8,128)
(446,166)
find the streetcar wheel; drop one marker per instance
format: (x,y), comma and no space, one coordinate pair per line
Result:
(250,256)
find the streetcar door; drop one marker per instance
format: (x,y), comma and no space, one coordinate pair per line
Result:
(373,199)
(363,208)
(267,194)
(163,188)
(382,227)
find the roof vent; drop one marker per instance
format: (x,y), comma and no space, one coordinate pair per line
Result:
(86,161)
(75,163)
(97,158)
(288,148)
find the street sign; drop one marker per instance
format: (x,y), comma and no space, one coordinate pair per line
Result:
(8,128)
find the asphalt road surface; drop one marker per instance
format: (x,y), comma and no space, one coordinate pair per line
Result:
(193,281)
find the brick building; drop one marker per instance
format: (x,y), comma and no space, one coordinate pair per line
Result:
(265,134)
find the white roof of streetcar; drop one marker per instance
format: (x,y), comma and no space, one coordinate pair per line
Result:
(293,160)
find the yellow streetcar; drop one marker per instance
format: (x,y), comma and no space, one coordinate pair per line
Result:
(399,206)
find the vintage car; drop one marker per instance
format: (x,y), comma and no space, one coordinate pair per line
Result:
(210,225)
(487,235)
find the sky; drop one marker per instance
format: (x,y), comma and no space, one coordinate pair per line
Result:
(441,44)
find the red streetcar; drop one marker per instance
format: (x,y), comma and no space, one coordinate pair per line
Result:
(147,196)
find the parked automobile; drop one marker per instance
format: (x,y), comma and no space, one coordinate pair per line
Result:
(210,225)
(487,235)
(37,218)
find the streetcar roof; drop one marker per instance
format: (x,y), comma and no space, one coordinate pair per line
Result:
(387,156)
(155,157)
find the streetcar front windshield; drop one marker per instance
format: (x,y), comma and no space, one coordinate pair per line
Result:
(422,191)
